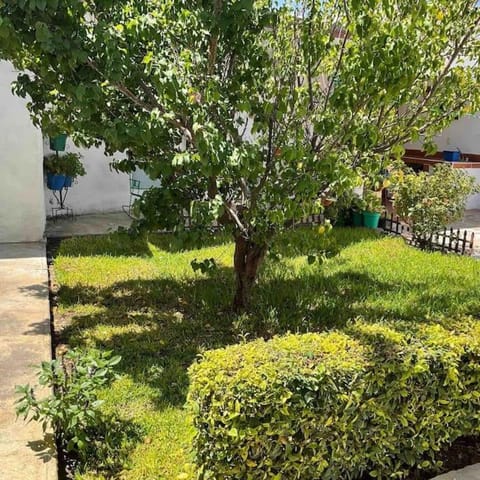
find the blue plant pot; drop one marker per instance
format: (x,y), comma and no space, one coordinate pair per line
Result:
(68,181)
(451,156)
(55,182)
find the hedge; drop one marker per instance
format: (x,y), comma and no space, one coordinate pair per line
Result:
(374,400)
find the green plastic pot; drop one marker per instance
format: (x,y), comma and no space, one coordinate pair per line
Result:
(371,219)
(58,143)
(357,218)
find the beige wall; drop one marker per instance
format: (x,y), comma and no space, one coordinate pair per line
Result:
(22,208)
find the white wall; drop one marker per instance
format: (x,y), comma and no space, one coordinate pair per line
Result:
(100,190)
(463,134)
(474,200)
(22,208)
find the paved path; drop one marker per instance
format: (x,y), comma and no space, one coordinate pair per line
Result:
(24,341)
(469,473)
(471,223)
(95,224)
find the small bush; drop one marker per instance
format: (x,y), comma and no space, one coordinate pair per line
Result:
(376,400)
(73,408)
(431,201)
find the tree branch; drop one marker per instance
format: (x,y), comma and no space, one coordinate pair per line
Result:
(235,218)
(213,46)
(149,107)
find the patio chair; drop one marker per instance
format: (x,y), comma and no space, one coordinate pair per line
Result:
(139,183)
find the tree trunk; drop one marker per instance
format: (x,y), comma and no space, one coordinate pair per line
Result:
(248,257)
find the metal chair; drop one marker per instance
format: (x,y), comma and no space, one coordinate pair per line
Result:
(139,183)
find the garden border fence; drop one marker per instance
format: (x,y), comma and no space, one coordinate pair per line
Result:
(447,240)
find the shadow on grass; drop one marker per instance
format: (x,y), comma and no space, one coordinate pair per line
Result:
(123,244)
(159,326)
(305,240)
(292,243)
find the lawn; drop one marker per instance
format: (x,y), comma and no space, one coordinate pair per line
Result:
(142,300)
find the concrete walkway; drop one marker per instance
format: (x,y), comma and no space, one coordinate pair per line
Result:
(25,341)
(95,224)
(469,473)
(471,223)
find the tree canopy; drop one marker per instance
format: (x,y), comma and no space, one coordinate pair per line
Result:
(251,113)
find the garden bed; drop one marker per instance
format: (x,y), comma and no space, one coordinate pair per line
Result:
(142,300)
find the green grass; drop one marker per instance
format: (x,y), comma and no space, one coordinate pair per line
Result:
(142,300)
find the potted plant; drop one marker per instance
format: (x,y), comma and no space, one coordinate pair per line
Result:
(55,175)
(58,143)
(61,171)
(72,166)
(373,209)
(358,207)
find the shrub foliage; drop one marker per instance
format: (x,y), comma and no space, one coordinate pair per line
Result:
(73,408)
(375,400)
(431,201)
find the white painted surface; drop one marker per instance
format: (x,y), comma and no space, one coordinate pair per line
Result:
(100,190)
(464,135)
(22,209)
(473,202)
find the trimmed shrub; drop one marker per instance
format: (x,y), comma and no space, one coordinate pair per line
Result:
(430,202)
(377,400)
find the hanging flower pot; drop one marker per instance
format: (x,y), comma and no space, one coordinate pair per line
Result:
(55,181)
(62,170)
(58,143)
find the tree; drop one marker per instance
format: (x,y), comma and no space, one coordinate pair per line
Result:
(251,114)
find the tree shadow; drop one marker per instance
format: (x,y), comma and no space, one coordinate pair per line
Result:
(159,326)
(38,290)
(124,244)
(44,449)
(300,241)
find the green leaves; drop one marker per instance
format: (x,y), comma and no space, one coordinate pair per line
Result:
(67,164)
(432,201)
(380,398)
(209,265)
(73,408)
(268,110)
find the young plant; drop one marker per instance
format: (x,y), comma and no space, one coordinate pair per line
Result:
(73,408)
(430,202)
(358,204)
(68,164)
(372,202)
(72,165)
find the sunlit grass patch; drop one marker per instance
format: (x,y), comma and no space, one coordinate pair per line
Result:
(141,299)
